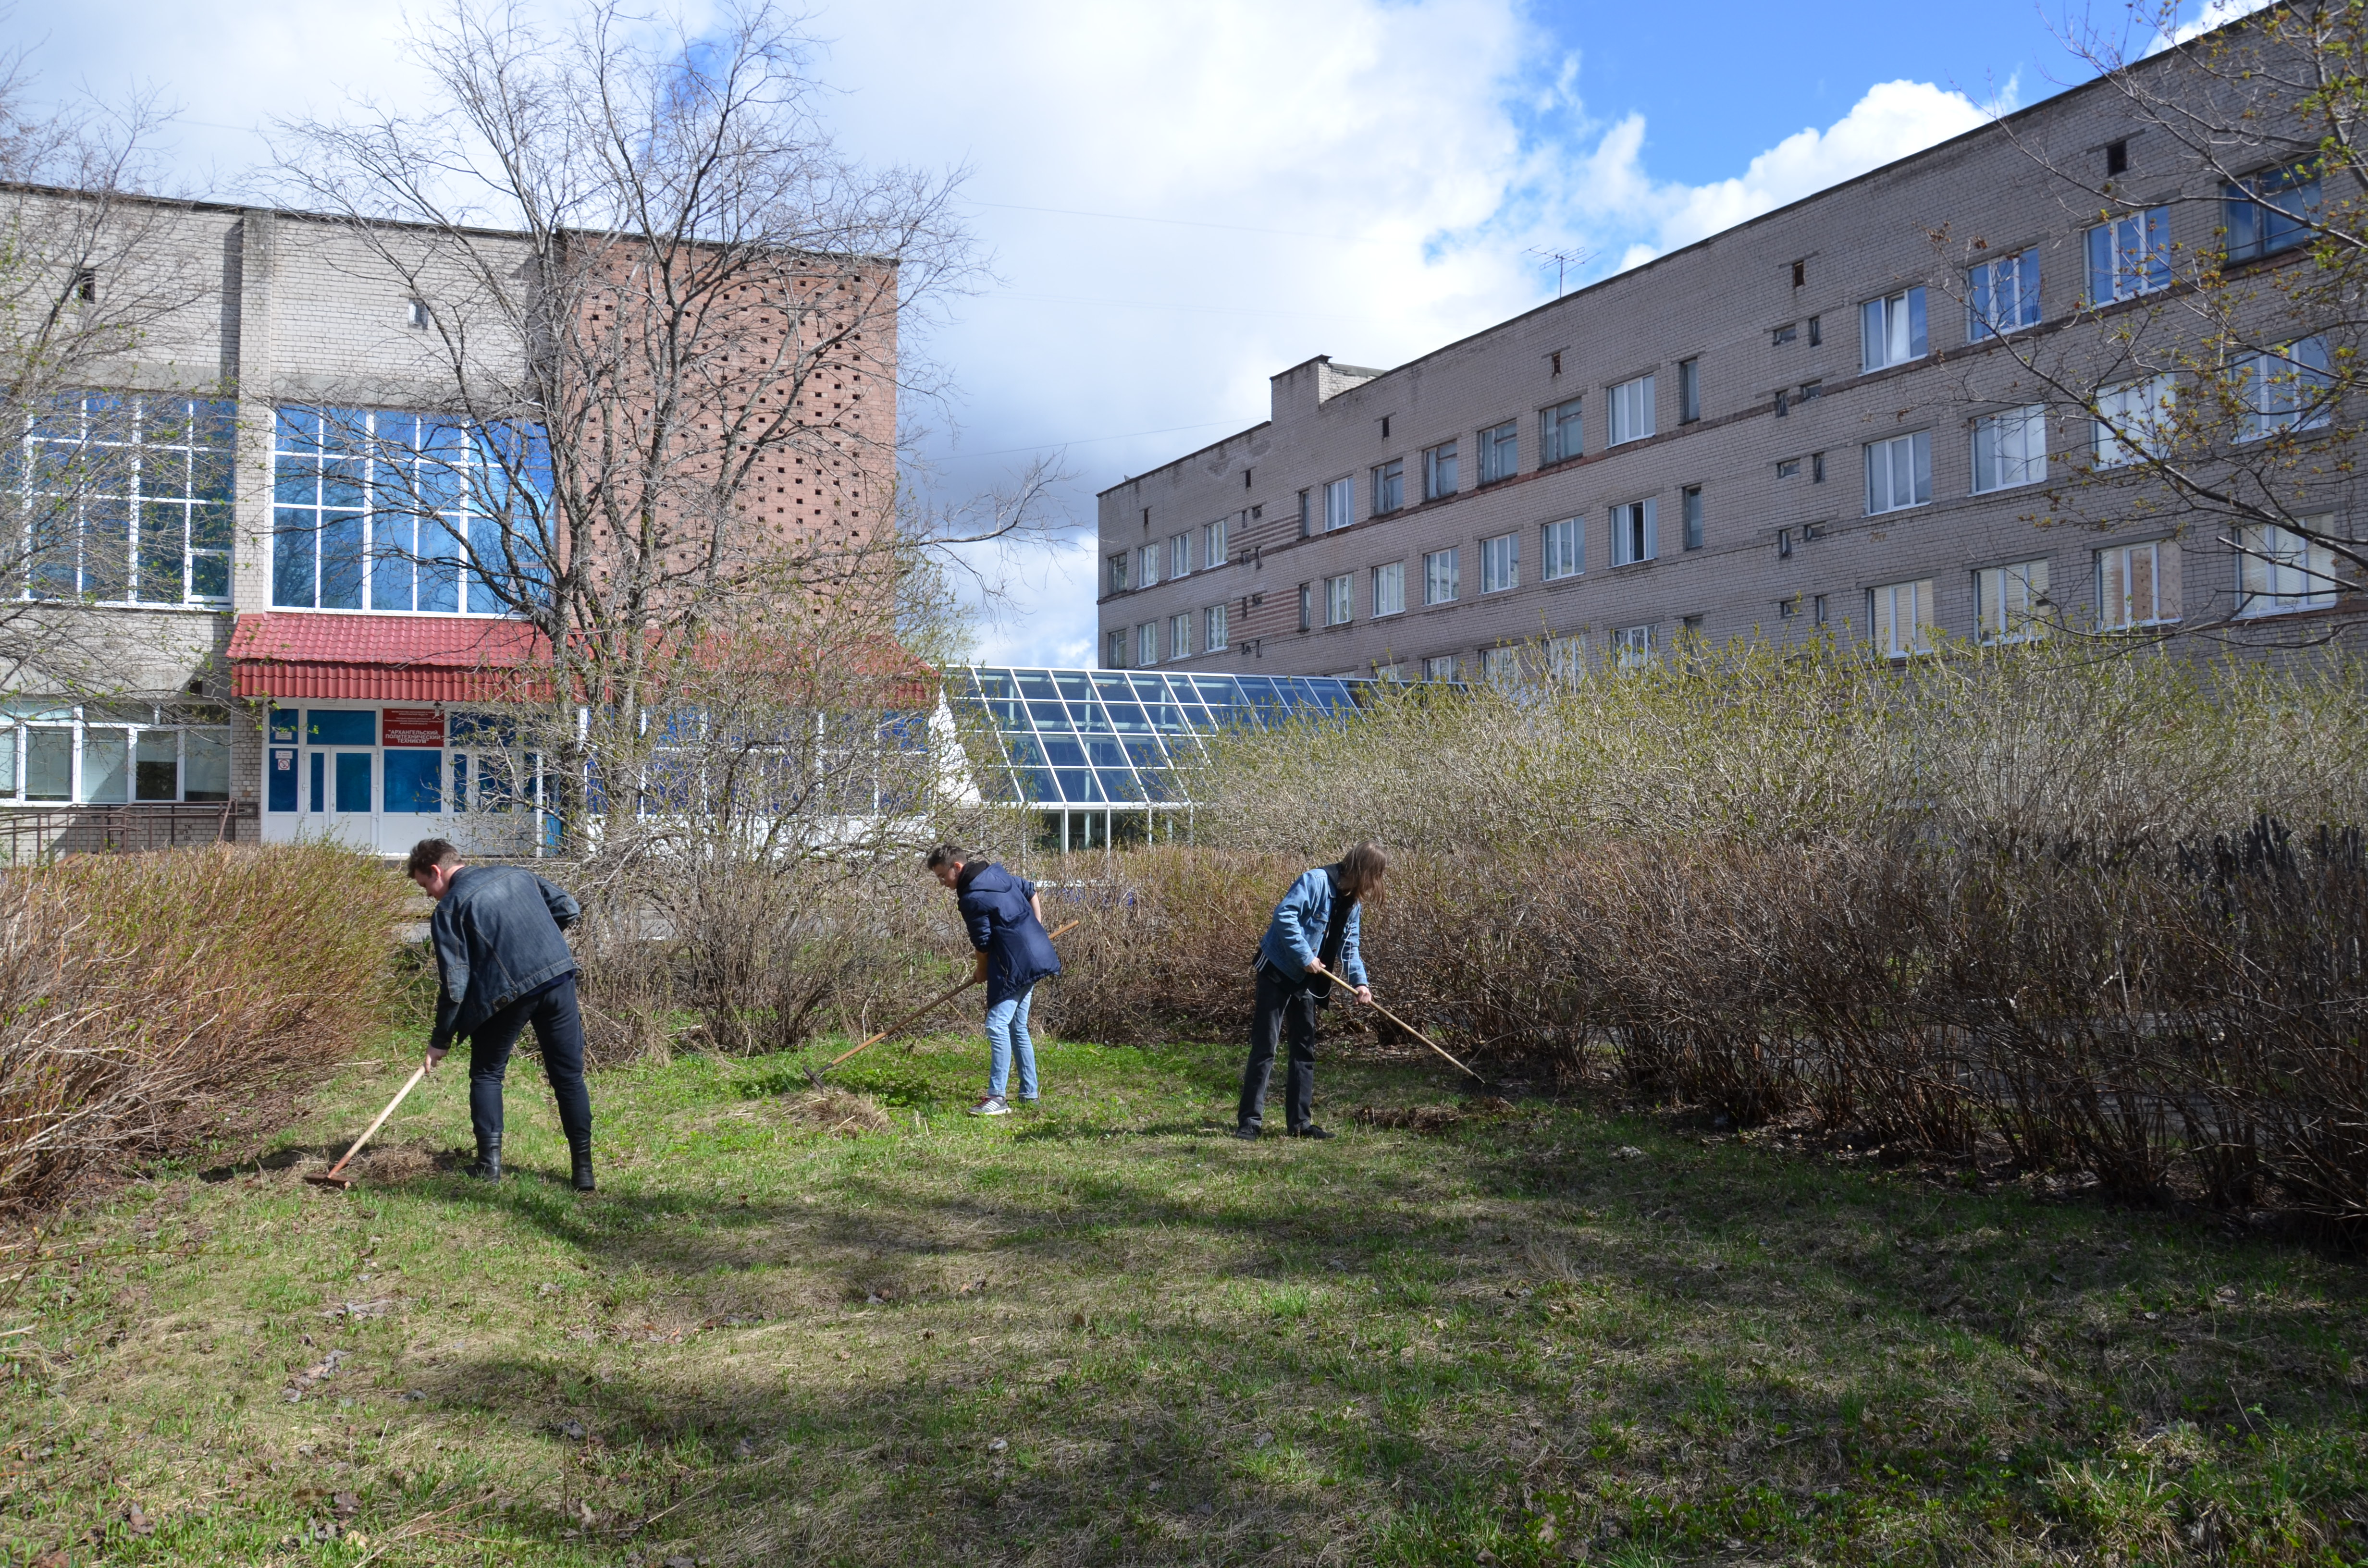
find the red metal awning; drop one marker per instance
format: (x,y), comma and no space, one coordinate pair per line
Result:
(383,658)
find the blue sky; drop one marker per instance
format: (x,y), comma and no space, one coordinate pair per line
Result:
(1181,198)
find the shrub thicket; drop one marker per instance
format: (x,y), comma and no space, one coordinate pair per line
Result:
(2076,910)
(141,993)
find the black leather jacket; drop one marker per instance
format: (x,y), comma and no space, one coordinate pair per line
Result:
(497,937)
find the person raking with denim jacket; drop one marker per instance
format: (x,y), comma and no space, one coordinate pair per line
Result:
(1006,921)
(502,964)
(1314,928)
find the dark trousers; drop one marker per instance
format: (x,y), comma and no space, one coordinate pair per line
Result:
(559,1030)
(1282,1002)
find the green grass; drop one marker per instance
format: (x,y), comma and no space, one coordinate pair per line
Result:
(1106,1331)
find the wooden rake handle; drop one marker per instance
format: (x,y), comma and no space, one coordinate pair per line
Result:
(1401,1023)
(417,1074)
(925,1007)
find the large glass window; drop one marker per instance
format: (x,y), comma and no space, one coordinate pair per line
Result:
(2272,211)
(1634,531)
(1892,331)
(2135,420)
(373,509)
(1631,411)
(2001,296)
(1898,473)
(1441,577)
(1439,467)
(1560,435)
(2288,388)
(1339,603)
(1562,549)
(2010,602)
(2129,256)
(1900,615)
(1501,564)
(1389,487)
(127,498)
(1501,452)
(1389,589)
(2138,586)
(2281,570)
(113,753)
(2010,449)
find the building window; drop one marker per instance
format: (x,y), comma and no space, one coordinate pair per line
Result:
(2280,570)
(1441,579)
(2010,602)
(1817,609)
(1689,507)
(1440,666)
(1784,544)
(1304,523)
(1180,555)
(1213,544)
(1117,572)
(1891,329)
(1901,617)
(375,510)
(1789,333)
(1439,467)
(1501,452)
(1339,600)
(1688,391)
(1899,473)
(1336,501)
(126,499)
(1789,468)
(1783,403)
(2117,156)
(1817,331)
(1631,647)
(2129,256)
(1146,643)
(1501,564)
(1565,659)
(2010,449)
(1146,566)
(1562,549)
(2287,389)
(1179,635)
(1307,606)
(2135,420)
(1632,533)
(1389,589)
(1214,639)
(2001,296)
(414,314)
(1114,652)
(2275,211)
(1816,468)
(2136,586)
(1390,672)
(1631,411)
(1500,666)
(113,753)
(1389,487)
(1559,433)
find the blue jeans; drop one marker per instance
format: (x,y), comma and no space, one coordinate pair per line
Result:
(1006,1031)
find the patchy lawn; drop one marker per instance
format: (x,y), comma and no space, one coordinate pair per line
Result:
(873,1330)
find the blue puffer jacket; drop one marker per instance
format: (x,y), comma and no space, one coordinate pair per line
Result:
(497,937)
(1019,950)
(1300,921)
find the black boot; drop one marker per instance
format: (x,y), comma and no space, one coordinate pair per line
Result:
(579,1151)
(489,1160)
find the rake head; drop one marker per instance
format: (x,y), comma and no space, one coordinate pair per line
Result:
(331,1178)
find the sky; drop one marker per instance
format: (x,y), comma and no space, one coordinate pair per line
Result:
(1176,200)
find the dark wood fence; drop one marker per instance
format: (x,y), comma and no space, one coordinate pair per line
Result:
(39,833)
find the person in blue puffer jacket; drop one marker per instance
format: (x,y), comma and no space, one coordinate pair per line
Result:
(1314,930)
(1006,921)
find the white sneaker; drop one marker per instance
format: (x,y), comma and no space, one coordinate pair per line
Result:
(991,1105)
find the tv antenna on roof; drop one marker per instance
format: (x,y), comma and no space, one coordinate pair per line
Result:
(1564,262)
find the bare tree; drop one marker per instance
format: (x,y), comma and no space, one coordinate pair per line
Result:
(663,325)
(2210,387)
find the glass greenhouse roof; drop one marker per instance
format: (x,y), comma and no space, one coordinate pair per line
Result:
(1114,738)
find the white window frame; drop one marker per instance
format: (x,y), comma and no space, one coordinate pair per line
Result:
(2140,411)
(1629,411)
(1565,657)
(2010,449)
(1389,589)
(134,721)
(1442,471)
(1893,330)
(1500,451)
(2287,388)
(1147,644)
(1215,637)
(2281,572)
(1442,576)
(1562,549)
(1340,503)
(1501,665)
(2126,572)
(1562,432)
(1179,635)
(1886,605)
(1635,532)
(1631,647)
(1883,462)
(1146,566)
(1501,564)
(1438,666)
(2129,256)
(1339,599)
(2002,295)
(1180,556)
(2012,603)
(1389,487)
(1214,548)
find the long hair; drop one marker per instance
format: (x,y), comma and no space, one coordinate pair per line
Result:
(1362,871)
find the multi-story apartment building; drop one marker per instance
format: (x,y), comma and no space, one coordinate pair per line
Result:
(1812,420)
(243,611)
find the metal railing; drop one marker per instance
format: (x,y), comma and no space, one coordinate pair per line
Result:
(42,833)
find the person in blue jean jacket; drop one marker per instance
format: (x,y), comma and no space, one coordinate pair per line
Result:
(1315,929)
(1006,921)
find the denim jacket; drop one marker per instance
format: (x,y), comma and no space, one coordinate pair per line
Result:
(497,937)
(1298,927)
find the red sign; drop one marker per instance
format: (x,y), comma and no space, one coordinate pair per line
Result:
(412,726)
